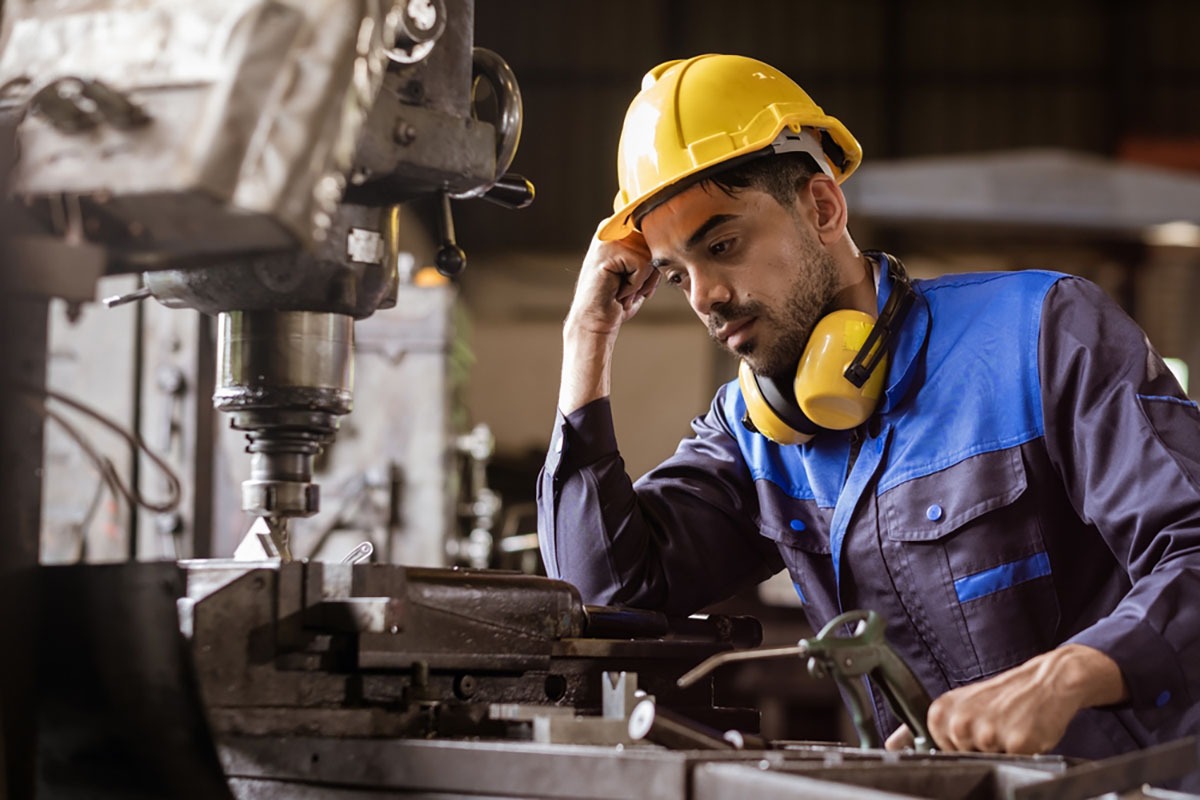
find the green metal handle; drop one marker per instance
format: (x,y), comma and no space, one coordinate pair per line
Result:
(866,652)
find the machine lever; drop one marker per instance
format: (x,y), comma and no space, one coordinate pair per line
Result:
(847,659)
(511,191)
(450,259)
(360,554)
(121,299)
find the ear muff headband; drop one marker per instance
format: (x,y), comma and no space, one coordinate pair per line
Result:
(890,319)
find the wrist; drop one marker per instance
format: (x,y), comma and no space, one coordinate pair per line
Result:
(586,332)
(1086,675)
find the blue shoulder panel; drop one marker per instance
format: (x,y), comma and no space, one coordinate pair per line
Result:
(803,472)
(978,390)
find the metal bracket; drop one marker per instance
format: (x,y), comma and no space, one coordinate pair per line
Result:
(559,725)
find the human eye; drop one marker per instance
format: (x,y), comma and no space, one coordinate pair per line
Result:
(722,247)
(674,278)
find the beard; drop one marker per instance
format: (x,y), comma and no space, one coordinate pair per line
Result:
(790,324)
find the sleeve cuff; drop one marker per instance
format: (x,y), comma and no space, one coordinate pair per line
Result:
(1158,688)
(584,436)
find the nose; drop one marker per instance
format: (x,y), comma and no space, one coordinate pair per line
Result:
(708,289)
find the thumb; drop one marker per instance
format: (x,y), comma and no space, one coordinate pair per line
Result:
(900,739)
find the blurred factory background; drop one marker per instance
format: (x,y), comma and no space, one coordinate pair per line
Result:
(1054,135)
(1060,134)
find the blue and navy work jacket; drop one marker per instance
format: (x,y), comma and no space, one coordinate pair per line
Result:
(1031,477)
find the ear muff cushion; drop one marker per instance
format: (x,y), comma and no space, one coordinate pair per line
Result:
(770,422)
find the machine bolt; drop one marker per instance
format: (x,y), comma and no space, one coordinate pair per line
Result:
(555,687)
(404,133)
(465,687)
(169,524)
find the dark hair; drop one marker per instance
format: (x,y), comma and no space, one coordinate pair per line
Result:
(780,176)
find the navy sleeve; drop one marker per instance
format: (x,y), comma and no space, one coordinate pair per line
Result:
(1126,441)
(681,538)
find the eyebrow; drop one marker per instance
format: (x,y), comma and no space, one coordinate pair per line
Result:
(695,238)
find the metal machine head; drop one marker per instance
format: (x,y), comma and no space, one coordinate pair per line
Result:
(250,156)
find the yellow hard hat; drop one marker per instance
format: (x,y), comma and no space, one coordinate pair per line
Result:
(694,115)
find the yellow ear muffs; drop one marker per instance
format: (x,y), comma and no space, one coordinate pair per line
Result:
(820,396)
(823,392)
(839,378)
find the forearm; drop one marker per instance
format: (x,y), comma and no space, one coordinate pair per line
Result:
(614,280)
(586,368)
(1082,673)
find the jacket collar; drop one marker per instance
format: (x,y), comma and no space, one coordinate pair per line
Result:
(908,346)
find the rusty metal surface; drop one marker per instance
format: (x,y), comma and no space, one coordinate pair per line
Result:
(1155,765)
(179,681)
(495,769)
(950,781)
(382,650)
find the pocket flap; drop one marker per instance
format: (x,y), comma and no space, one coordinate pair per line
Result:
(794,533)
(928,508)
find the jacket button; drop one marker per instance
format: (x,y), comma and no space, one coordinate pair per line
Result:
(798,525)
(1163,699)
(934,512)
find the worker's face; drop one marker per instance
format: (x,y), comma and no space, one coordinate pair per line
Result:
(753,271)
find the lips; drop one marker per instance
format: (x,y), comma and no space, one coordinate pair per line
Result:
(734,334)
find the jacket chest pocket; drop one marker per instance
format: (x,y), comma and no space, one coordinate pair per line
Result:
(966,554)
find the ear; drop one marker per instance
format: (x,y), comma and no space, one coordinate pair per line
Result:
(830,206)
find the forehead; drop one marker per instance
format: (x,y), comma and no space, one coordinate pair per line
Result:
(671,224)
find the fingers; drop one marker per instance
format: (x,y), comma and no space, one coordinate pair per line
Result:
(900,739)
(615,280)
(1011,713)
(637,287)
(958,724)
(629,258)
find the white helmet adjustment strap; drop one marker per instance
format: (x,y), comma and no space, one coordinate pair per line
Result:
(790,141)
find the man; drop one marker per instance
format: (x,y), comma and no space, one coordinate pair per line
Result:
(1015,487)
